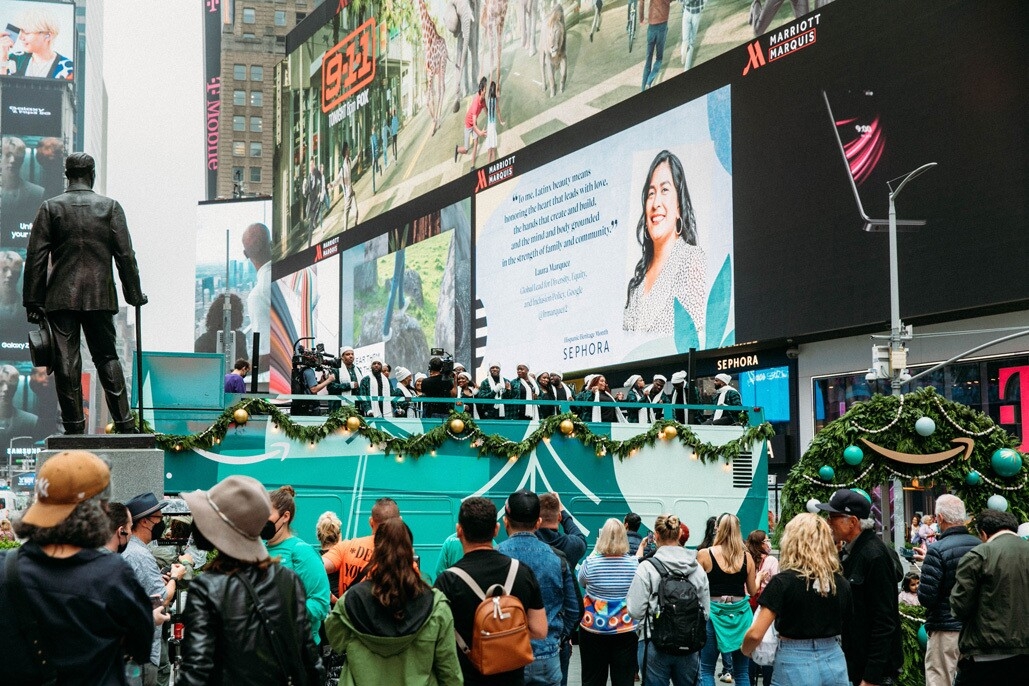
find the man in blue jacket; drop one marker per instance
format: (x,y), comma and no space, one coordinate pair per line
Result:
(938,571)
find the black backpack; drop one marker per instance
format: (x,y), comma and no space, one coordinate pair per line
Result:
(679,627)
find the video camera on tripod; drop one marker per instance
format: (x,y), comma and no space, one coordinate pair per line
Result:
(316,357)
(446,361)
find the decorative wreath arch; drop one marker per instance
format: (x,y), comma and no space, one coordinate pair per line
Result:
(918,438)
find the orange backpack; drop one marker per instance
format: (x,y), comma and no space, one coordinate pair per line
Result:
(500,631)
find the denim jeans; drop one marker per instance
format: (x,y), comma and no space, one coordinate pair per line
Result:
(655,44)
(543,671)
(709,658)
(566,659)
(812,662)
(690,24)
(657,668)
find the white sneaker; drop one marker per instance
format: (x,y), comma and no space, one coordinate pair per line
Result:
(726,678)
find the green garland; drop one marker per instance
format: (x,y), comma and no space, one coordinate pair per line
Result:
(912,617)
(488,445)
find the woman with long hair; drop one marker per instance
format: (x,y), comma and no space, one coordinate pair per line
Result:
(810,601)
(246,615)
(657,668)
(297,555)
(673,266)
(709,534)
(607,642)
(760,548)
(732,575)
(393,628)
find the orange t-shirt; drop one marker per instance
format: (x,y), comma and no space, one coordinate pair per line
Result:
(350,557)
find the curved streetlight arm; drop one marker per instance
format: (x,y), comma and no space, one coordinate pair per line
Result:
(909,177)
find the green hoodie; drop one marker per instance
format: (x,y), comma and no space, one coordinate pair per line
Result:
(425,652)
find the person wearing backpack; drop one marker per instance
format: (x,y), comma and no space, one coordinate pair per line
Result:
(490,572)
(670,600)
(732,574)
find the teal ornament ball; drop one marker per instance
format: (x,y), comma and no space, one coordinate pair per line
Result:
(997,502)
(853,455)
(1006,462)
(923,637)
(973,478)
(925,426)
(826,473)
(863,492)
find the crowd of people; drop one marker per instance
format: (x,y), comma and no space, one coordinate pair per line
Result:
(384,392)
(84,598)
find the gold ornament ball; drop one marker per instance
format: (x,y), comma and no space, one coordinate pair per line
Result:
(353,423)
(671,432)
(567,426)
(109,429)
(241,416)
(457,426)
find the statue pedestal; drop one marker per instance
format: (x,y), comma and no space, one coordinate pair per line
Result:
(137,465)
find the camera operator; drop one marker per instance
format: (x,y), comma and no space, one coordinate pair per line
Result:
(437,385)
(306,381)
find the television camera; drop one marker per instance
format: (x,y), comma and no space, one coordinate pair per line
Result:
(446,360)
(316,357)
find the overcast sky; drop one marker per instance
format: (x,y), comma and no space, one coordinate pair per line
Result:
(152,62)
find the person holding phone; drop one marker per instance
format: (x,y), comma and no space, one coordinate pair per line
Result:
(36,31)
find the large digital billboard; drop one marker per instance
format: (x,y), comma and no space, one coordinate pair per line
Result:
(581,263)
(785,148)
(233,267)
(383,104)
(31,170)
(37,40)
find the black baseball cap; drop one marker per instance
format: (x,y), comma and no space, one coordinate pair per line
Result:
(523,507)
(848,502)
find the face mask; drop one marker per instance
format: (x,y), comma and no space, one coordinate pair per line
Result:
(270,529)
(122,546)
(199,540)
(157,530)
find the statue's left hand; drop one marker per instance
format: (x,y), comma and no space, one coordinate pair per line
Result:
(35,314)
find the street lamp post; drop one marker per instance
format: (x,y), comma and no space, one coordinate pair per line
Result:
(898,332)
(898,335)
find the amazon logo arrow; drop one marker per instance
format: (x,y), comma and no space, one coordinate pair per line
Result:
(965,446)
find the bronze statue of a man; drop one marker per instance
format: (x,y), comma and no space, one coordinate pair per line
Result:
(81,232)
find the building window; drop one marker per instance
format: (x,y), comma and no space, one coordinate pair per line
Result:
(239,123)
(255,125)
(249,15)
(257,98)
(301,16)
(255,149)
(239,72)
(255,174)
(256,72)
(280,17)
(239,98)
(237,174)
(249,36)
(239,149)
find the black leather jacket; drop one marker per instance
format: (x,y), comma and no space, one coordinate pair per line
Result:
(81,232)
(226,642)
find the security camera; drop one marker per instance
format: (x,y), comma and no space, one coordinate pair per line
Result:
(792,352)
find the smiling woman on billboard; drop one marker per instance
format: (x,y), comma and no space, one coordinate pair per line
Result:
(27,49)
(673,265)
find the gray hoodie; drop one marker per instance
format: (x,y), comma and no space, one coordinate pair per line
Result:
(643,591)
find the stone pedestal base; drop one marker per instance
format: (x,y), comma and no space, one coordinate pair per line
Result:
(137,465)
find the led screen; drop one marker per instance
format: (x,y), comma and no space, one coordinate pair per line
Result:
(37,40)
(581,263)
